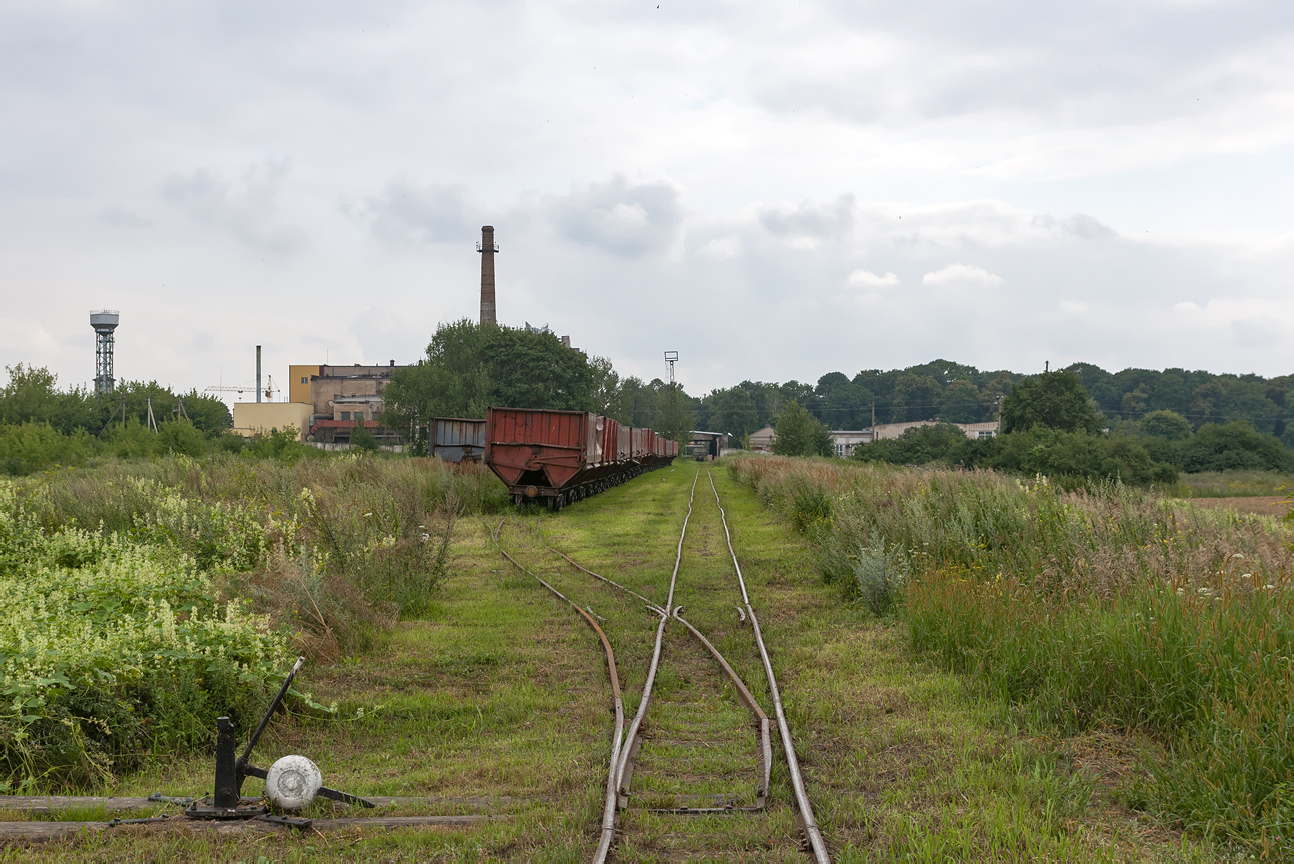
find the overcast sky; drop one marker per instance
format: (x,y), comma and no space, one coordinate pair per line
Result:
(774,190)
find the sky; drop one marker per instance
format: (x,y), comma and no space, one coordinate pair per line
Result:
(774,190)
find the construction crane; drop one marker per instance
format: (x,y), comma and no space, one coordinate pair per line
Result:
(269,389)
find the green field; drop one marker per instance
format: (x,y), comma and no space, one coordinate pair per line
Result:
(492,697)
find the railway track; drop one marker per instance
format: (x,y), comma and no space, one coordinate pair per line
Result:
(626,745)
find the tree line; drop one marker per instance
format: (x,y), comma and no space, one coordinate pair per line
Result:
(1051,425)
(952,392)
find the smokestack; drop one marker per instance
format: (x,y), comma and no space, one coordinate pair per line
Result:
(487,249)
(258,373)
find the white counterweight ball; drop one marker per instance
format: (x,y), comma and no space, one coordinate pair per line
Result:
(292,782)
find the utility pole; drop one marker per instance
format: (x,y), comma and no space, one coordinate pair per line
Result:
(258,373)
(152,421)
(672,357)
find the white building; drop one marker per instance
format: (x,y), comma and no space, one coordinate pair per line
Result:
(846,440)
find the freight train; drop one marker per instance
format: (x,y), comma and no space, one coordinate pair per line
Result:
(557,457)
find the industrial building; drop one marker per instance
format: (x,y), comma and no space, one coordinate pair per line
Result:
(845,440)
(340,398)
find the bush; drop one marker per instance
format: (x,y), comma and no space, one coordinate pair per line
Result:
(111,648)
(29,447)
(918,445)
(1231,447)
(1078,455)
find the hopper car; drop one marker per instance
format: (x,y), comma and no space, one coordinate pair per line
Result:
(559,457)
(456,440)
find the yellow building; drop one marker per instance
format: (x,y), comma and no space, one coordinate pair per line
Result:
(251,418)
(299,382)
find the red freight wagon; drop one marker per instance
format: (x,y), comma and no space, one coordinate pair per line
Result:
(564,456)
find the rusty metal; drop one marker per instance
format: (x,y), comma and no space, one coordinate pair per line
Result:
(113,823)
(761,719)
(811,829)
(609,808)
(625,774)
(290,821)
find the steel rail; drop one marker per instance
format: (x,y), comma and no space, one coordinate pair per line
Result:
(569,560)
(633,742)
(811,829)
(765,745)
(744,695)
(609,805)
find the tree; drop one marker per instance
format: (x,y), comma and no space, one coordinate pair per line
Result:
(1055,400)
(961,403)
(361,438)
(734,411)
(1233,446)
(468,368)
(1166,424)
(799,433)
(918,445)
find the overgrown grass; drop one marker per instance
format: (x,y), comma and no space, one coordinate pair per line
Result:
(1228,484)
(135,594)
(338,548)
(1085,609)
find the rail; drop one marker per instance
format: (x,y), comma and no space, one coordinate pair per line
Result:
(761,719)
(816,842)
(609,804)
(634,742)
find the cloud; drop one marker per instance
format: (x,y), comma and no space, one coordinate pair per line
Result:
(1072,307)
(625,219)
(812,220)
(406,212)
(721,248)
(958,275)
(1254,333)
(119,218)
(868,279)
(245,213)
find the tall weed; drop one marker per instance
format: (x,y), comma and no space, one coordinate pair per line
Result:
(1100,607)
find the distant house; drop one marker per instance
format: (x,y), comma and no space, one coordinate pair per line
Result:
(846,440)
(762,440)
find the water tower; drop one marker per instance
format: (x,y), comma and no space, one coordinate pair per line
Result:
(104,323)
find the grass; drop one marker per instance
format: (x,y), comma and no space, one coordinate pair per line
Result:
(495,699)
(1084,612)
(1232,484)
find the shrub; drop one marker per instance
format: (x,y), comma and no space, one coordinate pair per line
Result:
(110,648)
(29,447)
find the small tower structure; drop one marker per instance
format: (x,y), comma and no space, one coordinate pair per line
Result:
(104,323)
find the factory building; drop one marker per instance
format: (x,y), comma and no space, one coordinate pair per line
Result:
(340,398)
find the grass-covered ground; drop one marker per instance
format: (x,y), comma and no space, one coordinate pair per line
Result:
(1089,613)
(493,698)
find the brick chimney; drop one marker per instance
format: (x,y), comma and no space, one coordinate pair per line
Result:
(487,249)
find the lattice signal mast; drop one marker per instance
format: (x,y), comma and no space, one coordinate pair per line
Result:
(104,323)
